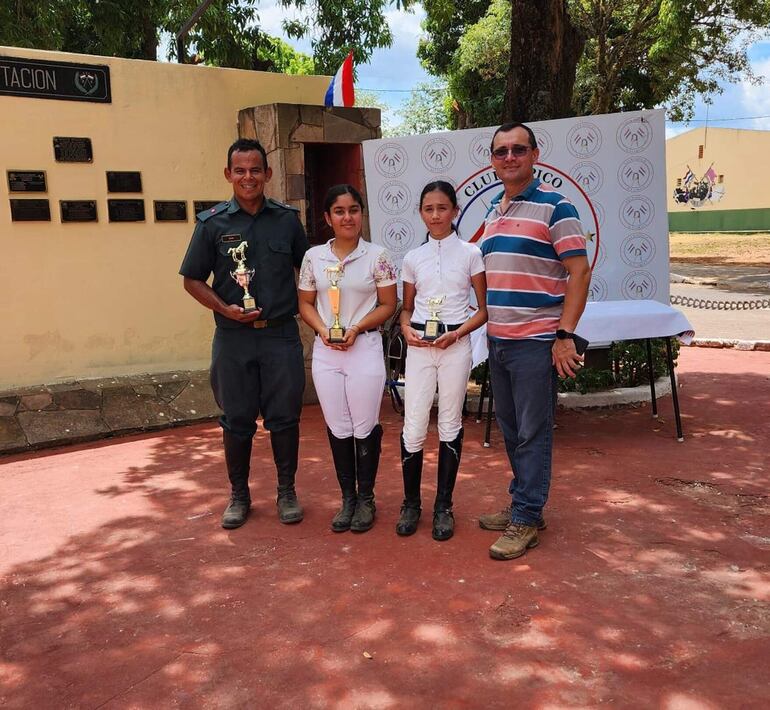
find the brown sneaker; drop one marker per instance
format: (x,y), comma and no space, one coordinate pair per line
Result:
(514,542)
(501,520)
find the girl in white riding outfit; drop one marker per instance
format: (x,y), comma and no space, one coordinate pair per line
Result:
(353,282)
(437,277)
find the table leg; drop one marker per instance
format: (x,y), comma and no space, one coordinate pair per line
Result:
(488,431)
(674,393)
(483,393)
(651,371)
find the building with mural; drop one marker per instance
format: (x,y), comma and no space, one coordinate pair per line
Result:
(713,183)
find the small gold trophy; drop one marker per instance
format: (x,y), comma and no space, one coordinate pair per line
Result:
(433,324)
(334,274)
(243,275)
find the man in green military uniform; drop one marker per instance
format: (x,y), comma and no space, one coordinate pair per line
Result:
(257,365)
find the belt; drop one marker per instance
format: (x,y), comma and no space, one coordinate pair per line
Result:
(371,330)
(442,327)
(272,322)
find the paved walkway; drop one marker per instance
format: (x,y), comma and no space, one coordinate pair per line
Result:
(650,588)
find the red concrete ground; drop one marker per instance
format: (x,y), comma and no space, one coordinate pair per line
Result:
(649,589)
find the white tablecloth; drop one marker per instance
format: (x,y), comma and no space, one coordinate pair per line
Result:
(606,321)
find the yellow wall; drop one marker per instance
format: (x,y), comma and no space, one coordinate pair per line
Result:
(738,154)
(81,300)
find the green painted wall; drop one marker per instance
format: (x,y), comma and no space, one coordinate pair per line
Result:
(756,220)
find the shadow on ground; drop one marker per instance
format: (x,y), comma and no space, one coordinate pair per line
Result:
(649,588)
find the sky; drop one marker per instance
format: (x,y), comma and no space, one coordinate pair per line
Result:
(392,72)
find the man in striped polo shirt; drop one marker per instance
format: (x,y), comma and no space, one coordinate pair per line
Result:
(537,284)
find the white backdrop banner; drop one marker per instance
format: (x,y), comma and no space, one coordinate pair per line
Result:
(611,167)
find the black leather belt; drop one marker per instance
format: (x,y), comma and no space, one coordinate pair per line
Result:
(272,322)
(442,328)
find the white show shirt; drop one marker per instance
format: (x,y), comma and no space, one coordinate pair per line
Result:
(443,267)
(364,269)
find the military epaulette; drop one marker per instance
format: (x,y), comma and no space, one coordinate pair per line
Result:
(216,209)
(276,203)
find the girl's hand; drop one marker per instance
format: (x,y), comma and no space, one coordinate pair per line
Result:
(412,338)
(351,334)
(324,335)
(444,341)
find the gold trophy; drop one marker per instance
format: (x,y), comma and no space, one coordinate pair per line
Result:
(433,324)
(243,275)
(334,274)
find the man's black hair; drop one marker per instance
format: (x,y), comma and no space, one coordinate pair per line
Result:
(246,145)
(506,127)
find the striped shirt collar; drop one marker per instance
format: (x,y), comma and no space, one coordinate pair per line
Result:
(526,194)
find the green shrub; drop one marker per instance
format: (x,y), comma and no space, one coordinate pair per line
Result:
(628,367)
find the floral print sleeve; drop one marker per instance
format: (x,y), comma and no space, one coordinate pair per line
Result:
(306,275)
(384,270)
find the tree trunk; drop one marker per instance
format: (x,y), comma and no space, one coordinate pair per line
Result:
(545,49)
(149,38)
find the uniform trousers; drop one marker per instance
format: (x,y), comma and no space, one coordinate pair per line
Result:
(350,384)
(426,368)
(258,371)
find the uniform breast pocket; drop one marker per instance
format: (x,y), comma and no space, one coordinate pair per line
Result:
(229,241)
(279,253)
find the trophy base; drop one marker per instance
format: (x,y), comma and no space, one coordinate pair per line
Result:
(336,335)
(431,330)
(249,305)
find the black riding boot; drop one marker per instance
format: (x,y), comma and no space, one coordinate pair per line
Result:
(237,458)
(411,469)
(344,455)
(367,461)
(285,445)
(448,462)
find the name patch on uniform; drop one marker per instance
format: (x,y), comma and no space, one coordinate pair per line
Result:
(231,238)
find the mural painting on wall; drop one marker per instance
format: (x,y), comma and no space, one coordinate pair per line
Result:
(694,192)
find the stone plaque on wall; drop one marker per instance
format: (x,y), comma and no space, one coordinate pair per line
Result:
(124,181)
(27,181)
(170,211)
(78,211)
(30,211)
(73,150)
(125,210)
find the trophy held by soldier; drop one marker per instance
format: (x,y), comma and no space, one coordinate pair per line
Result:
(433,326)
(334,274)
(243,275)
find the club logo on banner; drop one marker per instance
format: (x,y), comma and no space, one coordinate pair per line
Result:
(476,192)
(610,167)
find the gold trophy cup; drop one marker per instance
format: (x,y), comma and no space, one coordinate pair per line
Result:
(243,275)
(433,324)
(334,274)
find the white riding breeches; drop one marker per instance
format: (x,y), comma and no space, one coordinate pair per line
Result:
(426,368)
(350,385)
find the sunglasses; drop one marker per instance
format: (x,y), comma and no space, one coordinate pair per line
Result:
(517,151)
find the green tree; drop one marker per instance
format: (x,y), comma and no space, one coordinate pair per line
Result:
(226,34)
(445,25)
(337,26)
(663,51)
(588,56)
(428,109)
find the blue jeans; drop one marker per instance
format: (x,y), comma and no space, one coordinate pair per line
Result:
(524,388)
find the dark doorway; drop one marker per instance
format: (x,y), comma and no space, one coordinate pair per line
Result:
(328,164)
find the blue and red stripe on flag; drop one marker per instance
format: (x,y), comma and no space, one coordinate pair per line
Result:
(340,91)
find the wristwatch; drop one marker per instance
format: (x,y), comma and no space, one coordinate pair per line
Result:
(564,335)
